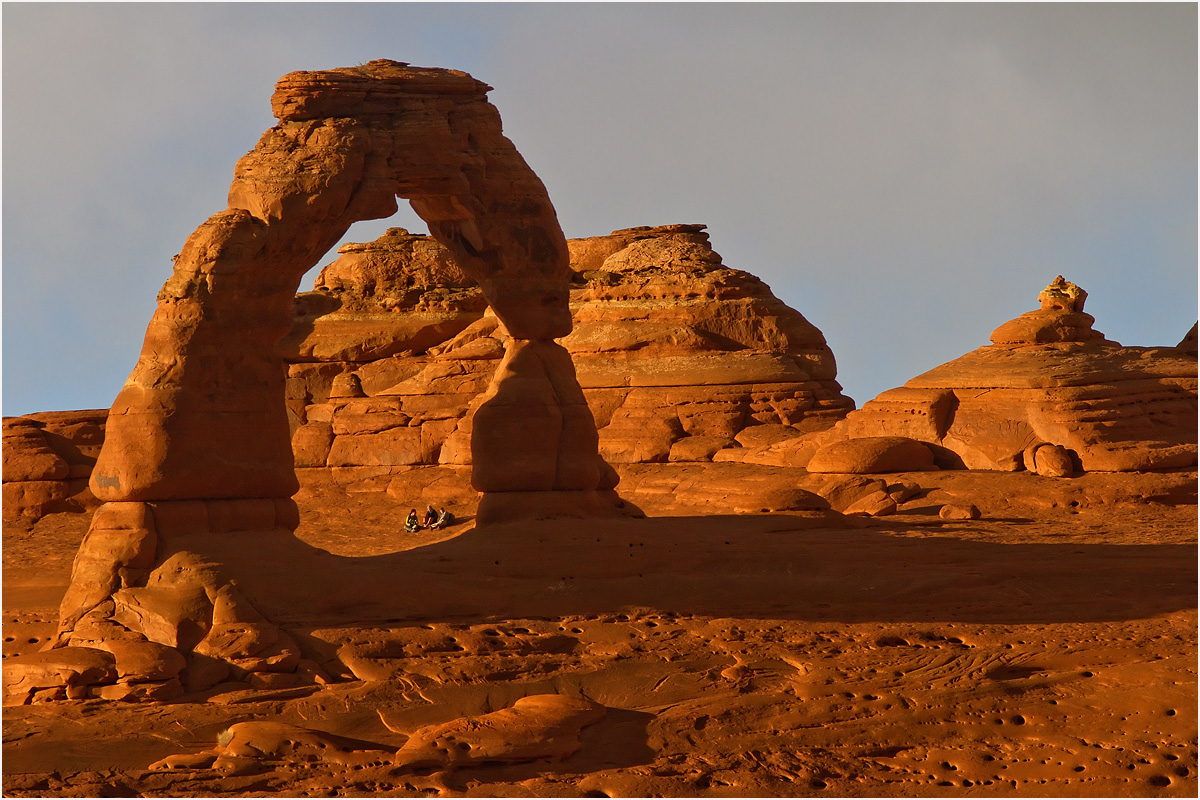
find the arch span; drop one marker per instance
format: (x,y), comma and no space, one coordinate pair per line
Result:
(198,440)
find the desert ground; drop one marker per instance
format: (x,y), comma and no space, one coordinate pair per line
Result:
(1045,649)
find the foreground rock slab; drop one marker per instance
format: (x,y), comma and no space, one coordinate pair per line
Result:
(533,728)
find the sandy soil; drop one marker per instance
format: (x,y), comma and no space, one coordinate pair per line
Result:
(1048,649)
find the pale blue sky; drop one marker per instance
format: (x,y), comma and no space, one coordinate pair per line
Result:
(906,176)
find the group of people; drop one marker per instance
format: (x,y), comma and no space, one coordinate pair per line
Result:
(434,520)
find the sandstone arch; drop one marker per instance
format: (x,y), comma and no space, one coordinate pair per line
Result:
(198,439)
(202,414)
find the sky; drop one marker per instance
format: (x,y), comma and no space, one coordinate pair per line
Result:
(908,177)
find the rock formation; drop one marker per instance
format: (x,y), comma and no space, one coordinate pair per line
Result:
(681,359)
(1188,343)
(538,727)
(48,459)
(198,441)
(678,355)
(1050,394)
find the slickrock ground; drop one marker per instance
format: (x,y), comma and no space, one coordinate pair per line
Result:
(1045,649)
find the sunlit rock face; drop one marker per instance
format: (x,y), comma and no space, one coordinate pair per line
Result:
(677,356)
(197,457)
(202,415)
(1048,378)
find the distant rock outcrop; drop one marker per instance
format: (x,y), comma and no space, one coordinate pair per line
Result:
(48,458)
(677,354)
(1188,343)
(1049,394)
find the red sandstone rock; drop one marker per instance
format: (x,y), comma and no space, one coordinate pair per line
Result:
(66,667)
(874,454)
(1053,461)
(903,491)
(842,493)
(1115,408)
(1189,342)
(203,427)
(143,661)
(33,499)
(668,344)
(534,728)
(958,511)
(27,454)
(876,504)
(533,430)
(309,178)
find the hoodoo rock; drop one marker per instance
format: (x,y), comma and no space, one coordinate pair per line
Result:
(199,439)
(1049,394)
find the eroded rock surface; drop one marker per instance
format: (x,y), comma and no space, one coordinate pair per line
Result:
(198,442)
(48,458)
(1047,379)
(679,356)
(536,727)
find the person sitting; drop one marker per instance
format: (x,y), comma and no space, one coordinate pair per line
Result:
(431,517)
(412,524)
(445,519)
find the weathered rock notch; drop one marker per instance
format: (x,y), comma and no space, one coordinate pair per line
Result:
(198,440)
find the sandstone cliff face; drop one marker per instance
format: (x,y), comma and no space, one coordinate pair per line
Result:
(1050,394)
(677,355)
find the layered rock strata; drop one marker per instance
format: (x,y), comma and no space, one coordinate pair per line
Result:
(48,459)
(678,356)
(1050,394)
(198,441)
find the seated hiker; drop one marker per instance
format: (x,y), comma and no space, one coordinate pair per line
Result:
(412,524)
(445,519)
(431,517)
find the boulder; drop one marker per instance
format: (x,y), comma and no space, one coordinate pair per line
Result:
(1053,461)
(841,492)
(876,504)
(540,727)
(65,667)
(871,455)
(140,661)
(959,511)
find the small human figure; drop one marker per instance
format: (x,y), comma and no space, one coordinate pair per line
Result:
(431,517)
(412,524)
(445,519)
